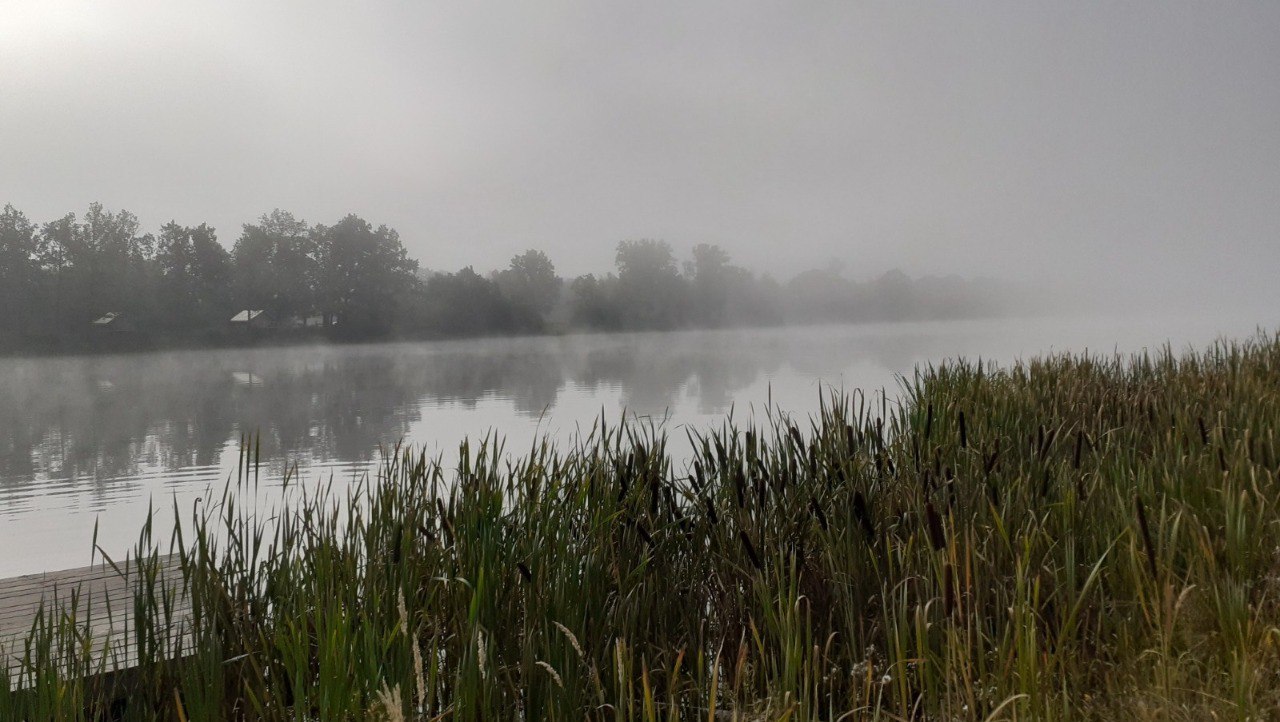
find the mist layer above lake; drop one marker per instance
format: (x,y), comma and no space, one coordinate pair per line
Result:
(99,438)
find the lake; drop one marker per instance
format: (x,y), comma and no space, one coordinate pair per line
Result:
(100,438)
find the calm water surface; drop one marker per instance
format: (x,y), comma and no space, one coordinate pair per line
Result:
(98,439)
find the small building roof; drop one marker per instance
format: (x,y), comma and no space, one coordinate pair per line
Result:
(246,316)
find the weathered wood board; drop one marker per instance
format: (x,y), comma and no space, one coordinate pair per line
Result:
(99,600)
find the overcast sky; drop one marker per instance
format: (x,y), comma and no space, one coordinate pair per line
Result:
(1128,144)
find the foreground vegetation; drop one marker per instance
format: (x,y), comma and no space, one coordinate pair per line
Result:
(1071,538)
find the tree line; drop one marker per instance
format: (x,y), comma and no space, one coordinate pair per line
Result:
(284,277)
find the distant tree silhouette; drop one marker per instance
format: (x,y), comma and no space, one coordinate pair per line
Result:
(532,287)
(592,302)
(277,267)
(182,287)
(363,274)
(651,292)
(466,304)
(711,276)
(195,274)
(98,264)
(21,278)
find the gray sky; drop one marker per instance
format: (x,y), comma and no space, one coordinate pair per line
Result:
(1127,144)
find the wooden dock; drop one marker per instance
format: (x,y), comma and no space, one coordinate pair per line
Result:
(99,600)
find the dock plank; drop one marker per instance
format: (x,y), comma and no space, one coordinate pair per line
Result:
(99,601)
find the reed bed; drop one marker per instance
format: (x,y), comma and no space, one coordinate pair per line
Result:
(1072,537)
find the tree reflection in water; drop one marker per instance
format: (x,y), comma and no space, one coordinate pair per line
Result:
(98,440)
(102,421)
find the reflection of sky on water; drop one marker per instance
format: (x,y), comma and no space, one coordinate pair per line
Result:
(99,437)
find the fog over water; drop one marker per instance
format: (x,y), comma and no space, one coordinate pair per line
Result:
(1129,149)
(97,439)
